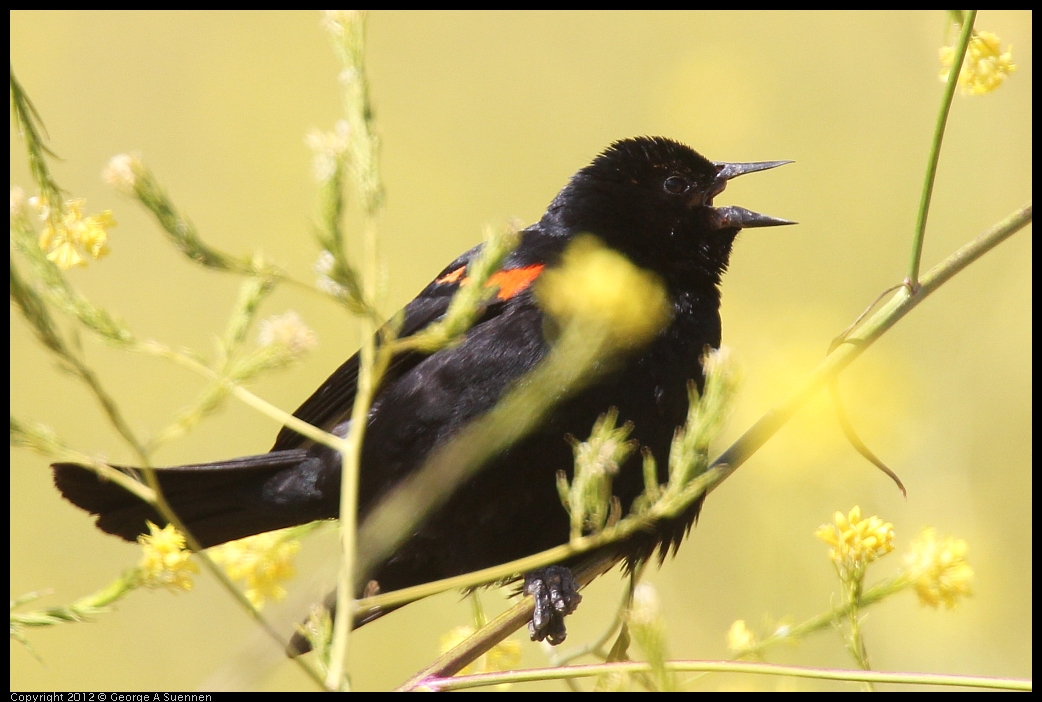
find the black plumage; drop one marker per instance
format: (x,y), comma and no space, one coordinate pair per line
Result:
(650,199)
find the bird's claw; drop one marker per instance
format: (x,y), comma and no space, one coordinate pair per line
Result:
(556,596)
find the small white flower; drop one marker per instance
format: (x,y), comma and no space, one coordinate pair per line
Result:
(43,210)
(336,21)
(329,148)
(17,202)
(348,76)
(324,267)
(645,609)
(121,172)
(287,330)
(324,263)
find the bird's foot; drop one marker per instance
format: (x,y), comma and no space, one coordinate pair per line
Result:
(556,596)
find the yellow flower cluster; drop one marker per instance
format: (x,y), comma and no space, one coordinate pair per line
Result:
(69,237)
(262,562)
(856,541)
(939,567)
(985,67)
(166,562)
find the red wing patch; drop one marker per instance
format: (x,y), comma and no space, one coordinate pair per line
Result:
(514,280)
(511,281)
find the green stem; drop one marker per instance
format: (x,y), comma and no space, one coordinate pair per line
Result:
(27,119)
(363,151)
(282,417)
(825,620)
(349,507)
(463,682)
(935,148)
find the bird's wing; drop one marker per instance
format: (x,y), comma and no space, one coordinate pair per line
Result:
(332,402)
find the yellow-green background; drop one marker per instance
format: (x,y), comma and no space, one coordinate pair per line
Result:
(484,116)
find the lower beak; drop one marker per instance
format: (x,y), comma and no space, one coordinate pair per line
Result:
(738,217)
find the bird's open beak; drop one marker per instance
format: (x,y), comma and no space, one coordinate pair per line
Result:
(738,217)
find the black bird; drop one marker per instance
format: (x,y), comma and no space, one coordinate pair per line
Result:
(648,198)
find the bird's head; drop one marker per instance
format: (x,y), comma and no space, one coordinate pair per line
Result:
(652,199)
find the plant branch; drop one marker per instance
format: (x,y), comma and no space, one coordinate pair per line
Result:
(859,340)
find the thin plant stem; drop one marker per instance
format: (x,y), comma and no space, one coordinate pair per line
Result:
(935,148)
(348,30)
(463,682)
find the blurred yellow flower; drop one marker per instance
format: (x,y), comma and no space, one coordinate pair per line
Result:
(506,655)
(856,541)
(940,570)
(166,562)
(262,563)
(740,638)
(985,67)
(68,240)
(599,286)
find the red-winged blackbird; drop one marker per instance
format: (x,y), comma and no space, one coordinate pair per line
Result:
(650,199)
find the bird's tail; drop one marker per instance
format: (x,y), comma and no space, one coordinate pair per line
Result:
(217,502)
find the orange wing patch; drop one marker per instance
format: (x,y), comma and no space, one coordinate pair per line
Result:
(510,282)
(514,280)
(452,276)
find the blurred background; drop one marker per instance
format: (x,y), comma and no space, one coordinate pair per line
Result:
(483,117)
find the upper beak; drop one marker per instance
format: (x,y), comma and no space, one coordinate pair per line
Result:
(739,217)
(733,170)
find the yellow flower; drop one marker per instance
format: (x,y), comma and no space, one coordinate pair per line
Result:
(596,285)
(68,238)
(65,256)
(92,234)
(506,655)
(985,67)
(855,541)
(262,562)
(166,562)
(739,637)
(941,572)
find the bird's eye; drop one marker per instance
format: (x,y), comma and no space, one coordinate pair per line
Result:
(675,185)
